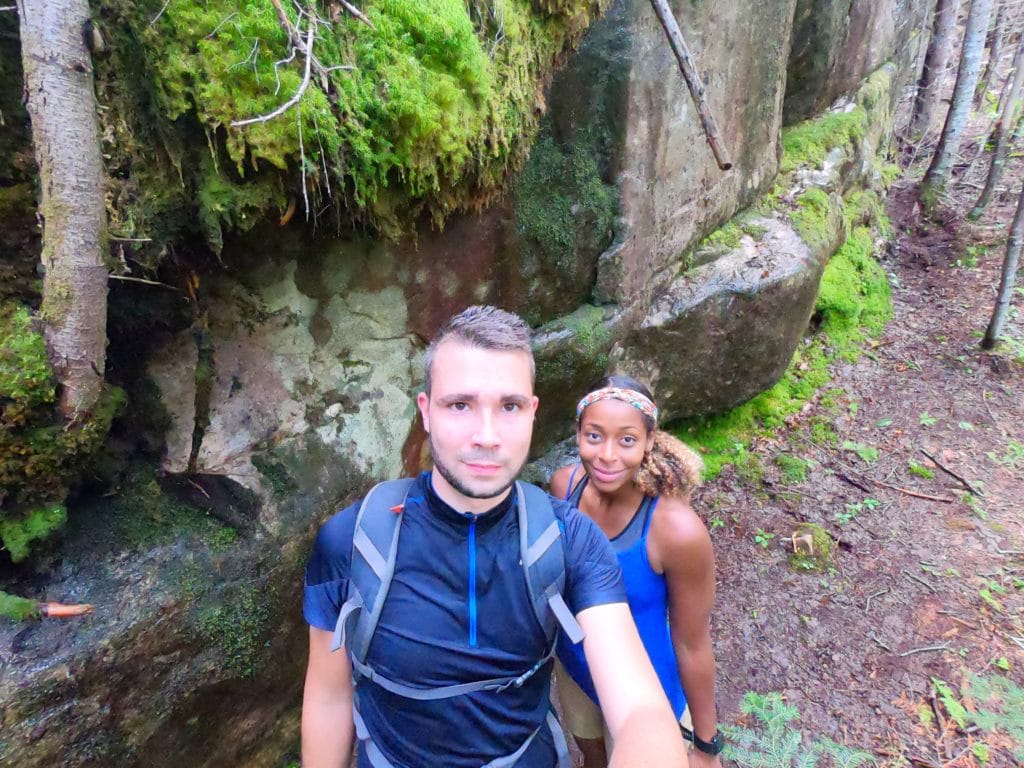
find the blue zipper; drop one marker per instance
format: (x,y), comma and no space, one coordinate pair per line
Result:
(472,581)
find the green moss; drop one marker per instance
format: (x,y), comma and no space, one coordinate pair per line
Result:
(920,470)
(585,350)
(18,533)
(854,303)
(26,379)
(17,608)
(239,625)
(793,469)
(807,143)
(430,109)
(817,556)
(142,515)
(563,207)
(811,219)
(725,238)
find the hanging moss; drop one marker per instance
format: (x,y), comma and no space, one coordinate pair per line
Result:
(807,143)
(428,110)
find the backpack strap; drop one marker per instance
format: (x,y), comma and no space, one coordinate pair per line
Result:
(575,495)
(374,551)
(543,558)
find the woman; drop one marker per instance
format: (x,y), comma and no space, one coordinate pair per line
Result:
(634,481)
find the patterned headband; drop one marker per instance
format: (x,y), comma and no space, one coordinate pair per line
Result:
(634,398)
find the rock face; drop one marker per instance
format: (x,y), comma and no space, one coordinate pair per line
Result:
(837,43)
(299,382)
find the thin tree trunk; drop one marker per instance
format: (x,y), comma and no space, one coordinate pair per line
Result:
(936,61)
(1002,307)
(994,43)
(939,171)
(1001,132)
(62,107)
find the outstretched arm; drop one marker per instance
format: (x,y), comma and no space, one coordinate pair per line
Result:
(643,728)
(684,548)
(327,726)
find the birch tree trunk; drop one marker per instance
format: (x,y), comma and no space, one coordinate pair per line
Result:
(62,107)
(994,43)
(1001,133)
(995,326)
(939,171)
(936,61)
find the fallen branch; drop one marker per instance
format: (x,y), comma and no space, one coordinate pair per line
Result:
(915,494)
(911,652)
(952,474)
(693,83)
(847,479)
(879,593)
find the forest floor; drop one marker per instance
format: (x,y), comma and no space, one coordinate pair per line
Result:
(925,587)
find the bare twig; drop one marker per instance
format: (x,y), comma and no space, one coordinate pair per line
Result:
(357,13)
(131,239)
(915,494)
(298,94)
(943,647)
(847,479)
(919,580)
(875,637)
(952,474)
(156,18)
(198,487)
(302,161)
(693,82)
(867,604)
(223,21)
(128,279)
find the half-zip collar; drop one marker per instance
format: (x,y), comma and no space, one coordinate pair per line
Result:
(481,522)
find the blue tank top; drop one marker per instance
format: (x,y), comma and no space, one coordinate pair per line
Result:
(647,594)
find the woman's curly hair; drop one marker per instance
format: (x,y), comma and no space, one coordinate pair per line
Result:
(671,467)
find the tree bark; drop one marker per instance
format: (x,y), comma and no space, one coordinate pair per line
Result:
(65,132)
(1001,132)
(1002,307)
(936,61)
(939,171)
(994,43)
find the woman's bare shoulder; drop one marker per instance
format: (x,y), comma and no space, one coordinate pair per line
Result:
(560,480)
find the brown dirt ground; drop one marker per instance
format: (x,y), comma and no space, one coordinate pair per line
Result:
(852,648)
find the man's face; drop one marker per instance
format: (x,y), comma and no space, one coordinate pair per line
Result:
(479,416)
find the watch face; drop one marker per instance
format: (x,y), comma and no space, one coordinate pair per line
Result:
(712,747)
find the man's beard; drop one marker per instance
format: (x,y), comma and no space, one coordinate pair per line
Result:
(461,487)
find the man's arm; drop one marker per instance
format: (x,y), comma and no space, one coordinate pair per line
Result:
(643,728)
(327,726)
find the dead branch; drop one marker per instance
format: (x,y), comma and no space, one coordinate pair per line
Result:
(129,279)
(943,647)
(693,82)
(63,611)
(298,94)
(156,18)
(952,474)
(925,496)
(357,13)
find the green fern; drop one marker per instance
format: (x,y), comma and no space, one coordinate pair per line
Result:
(775,743)
(1000,704)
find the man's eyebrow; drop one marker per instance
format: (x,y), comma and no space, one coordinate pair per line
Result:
(457,397)
(515,399)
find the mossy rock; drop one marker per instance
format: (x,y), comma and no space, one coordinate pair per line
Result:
(40,456)
(812,548)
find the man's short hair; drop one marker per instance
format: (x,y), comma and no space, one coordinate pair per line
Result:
(484,327)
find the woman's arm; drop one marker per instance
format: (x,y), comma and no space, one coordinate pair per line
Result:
(683,547)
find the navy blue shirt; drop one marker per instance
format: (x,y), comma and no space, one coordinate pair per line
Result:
(438,628)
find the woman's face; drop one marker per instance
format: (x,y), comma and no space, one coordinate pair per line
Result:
(612,441)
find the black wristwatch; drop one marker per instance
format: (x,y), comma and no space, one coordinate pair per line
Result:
(713,747)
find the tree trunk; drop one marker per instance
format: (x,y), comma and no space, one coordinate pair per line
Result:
(939,171)
(994,43)
(62,107)
(1001,132)
(995,326)
(936,61)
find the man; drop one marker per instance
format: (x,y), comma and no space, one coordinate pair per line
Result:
(458,610)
